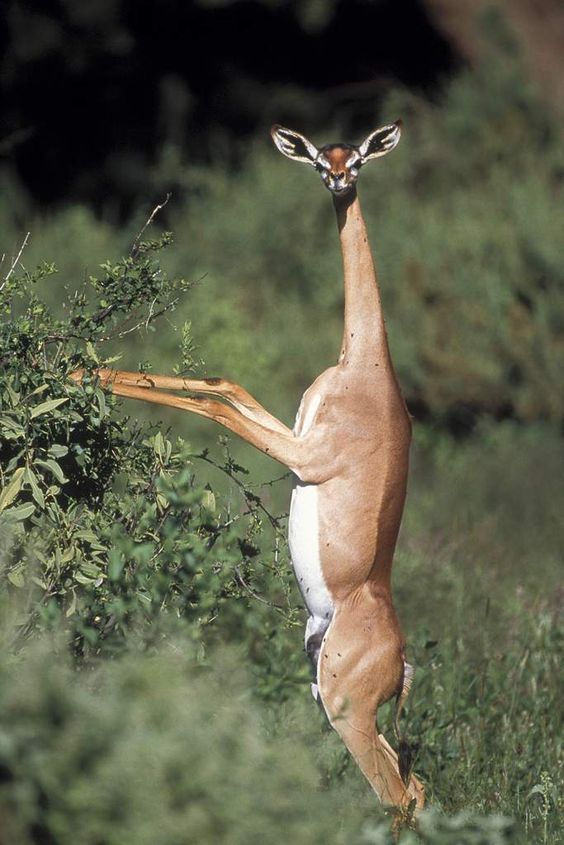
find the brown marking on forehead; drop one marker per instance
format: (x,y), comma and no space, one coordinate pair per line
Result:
(337,155)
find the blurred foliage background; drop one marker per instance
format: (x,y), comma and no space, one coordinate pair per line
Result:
(152,682)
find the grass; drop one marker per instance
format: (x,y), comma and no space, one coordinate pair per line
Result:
(167,748)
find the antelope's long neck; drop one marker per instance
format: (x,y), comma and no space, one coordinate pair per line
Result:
(364,337)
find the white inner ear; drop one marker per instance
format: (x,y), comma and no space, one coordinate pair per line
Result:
(383,140)
(285,140)
(354,161)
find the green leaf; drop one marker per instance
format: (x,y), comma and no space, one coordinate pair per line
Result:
(41,389)
(115,565)
(89,536)
(83,579)
(92,352)
(58,451)
(36,491)
(13,462)
(90,635)
(20,513)
(14,397)
(54,467)
(208,501)
(101,401)
(44,407)
(162,501)
(158,444)
(538,789)
(12,429)
(12,489)
(88,568)
(72,607)
(39,582)
(16,578)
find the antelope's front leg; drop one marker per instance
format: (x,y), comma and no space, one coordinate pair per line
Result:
(310,461)
(236,395)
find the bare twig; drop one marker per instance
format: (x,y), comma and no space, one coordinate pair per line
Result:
(253,502)
(154,212)
(116,334)
(272,481)
(256,596)
(143,322)
(16,260)
(151,312)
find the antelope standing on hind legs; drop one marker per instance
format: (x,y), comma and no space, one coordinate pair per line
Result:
(349,452)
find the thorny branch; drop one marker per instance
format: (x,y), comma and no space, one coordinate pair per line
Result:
(252,500)
(256,596)
(254,503)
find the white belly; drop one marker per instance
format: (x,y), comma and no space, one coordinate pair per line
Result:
(303,530)
(303,539)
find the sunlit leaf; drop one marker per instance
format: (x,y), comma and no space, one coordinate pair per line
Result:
(45,407)
(16,578)
(10,492)
(92,352)
(58,451)
(36,491)
(41,389)
(20,513)
(54,467)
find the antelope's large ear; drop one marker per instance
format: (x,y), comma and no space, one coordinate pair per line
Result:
(293,145)
(380,142)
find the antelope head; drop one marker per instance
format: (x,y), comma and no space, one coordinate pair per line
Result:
(337,164)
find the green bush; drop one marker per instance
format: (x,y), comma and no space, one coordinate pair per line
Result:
(159,750)
(148,751)
(105,528)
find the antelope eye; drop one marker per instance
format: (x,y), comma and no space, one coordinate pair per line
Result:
(319,167)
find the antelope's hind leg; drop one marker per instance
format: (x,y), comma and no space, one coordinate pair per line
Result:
(361,667)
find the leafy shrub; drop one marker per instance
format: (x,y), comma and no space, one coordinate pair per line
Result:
(155,749)
(158,749)
(104,524)
(148,751)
